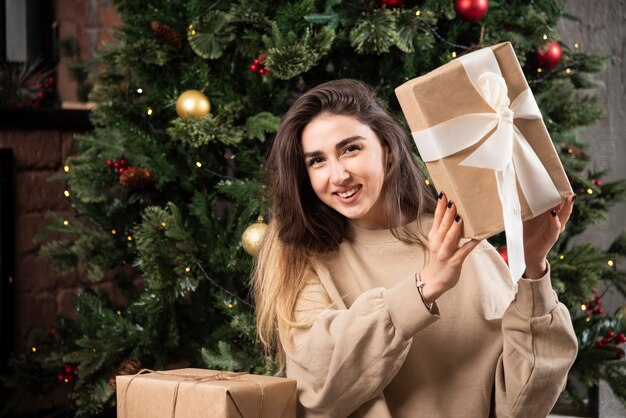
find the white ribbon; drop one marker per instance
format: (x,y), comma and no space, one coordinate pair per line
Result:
(506,151)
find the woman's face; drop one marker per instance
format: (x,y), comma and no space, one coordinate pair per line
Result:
(346,164)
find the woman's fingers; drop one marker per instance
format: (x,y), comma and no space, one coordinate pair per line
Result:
(566,211)
(446,221)
(560,215)
(446,233)
(467,248)
(440,210)
(451,240)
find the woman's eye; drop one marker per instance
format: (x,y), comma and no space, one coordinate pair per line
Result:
(351,148)
(315,160)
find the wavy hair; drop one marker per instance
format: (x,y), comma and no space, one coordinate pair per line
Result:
(303,229)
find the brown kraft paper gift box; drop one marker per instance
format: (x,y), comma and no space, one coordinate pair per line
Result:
(446,93)
(199,393)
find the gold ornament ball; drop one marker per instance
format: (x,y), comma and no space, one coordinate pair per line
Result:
(192,103)
(253,237)
(621,312)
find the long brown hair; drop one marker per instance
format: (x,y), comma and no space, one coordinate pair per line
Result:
(303,228)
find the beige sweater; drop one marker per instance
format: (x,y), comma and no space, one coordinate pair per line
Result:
(374,350)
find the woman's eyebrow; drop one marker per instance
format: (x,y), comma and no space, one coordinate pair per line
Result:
(338,146)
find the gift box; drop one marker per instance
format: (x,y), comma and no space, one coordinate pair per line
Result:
(478,128)
(198,393)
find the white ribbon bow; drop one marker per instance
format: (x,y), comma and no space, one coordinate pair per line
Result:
(506,151)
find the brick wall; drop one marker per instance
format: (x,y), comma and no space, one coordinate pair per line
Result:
(40,292)
(90,23)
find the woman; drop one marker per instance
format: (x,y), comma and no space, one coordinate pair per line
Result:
(373,317)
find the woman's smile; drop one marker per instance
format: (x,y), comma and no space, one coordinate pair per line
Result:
(350,193)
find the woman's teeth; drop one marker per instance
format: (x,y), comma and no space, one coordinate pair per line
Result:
(349,192)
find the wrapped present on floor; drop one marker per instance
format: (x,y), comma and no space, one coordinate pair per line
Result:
(479,130)
(197,393)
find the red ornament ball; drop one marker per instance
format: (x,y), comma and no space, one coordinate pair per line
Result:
(254,68)
(550,56)
(390,3)
(471,10)
(504,253)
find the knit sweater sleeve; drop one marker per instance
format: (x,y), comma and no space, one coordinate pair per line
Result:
(539,347)
(343,358)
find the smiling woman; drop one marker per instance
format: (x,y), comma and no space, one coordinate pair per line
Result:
(346,166)
(369,296)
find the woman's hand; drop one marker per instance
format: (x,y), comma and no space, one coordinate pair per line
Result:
(443,268)
(540,234)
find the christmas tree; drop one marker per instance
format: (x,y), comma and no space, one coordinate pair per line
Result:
(168,185)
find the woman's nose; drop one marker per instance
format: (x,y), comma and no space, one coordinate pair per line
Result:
(338,174)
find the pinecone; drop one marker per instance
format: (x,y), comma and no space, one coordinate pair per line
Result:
(137,178)
(167,34)
(128,366)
